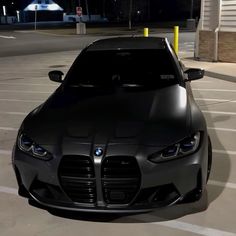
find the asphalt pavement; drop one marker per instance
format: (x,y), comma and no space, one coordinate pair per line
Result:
(24,84)
(28,42)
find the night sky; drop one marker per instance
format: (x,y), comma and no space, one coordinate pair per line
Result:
(150,10)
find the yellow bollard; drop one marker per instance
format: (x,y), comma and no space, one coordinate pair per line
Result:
(176,39)
(145,32)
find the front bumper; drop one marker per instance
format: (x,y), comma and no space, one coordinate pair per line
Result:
(159,184)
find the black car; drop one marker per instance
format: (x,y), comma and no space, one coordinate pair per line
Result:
(122,133)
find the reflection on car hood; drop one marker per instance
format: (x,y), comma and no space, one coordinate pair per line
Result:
(157,117)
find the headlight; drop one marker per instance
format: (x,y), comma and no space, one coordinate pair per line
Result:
(185,147)
(27,145)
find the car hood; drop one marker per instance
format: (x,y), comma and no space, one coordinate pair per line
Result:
(155,118)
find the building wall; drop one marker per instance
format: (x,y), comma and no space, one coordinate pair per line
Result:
(206,45)
(227,47)
(216,33)
(228,16)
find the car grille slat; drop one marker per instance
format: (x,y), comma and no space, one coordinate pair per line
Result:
(77,178)
(120,179)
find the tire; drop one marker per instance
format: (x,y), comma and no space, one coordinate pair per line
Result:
(209,158)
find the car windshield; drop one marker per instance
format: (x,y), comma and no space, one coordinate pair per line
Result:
(128,68)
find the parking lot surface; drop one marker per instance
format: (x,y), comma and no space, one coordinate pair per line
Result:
(24,85)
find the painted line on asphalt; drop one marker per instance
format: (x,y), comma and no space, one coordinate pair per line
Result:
(13,113)
(219,112)
(222,184)
(5,152)
(8,129)
(29,84)
(23,31)
(52,34)
(214,100)
(192,43)
(7,37)
(221,129)
(20,91)
(216,90)
(182,226)
(227,152)
(8,190)
(201,81)
(20,100)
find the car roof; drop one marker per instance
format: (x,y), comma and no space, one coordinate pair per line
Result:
(128,43)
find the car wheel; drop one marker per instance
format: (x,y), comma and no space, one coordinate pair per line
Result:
(209,158)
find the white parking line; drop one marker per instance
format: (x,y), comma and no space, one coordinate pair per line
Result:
(219,112)
(215,90)
(222,184)
(7,37)
(8,129)
(187,227)
(13,113)
(227,152)
(189,43)
(221,129)
(29,84)
(5,152)
(8,190)
(20,91)
(214,100)
(201,81)
(20,100)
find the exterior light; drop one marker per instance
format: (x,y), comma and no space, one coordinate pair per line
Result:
(4,10)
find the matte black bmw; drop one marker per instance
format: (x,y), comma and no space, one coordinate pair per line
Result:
(122,133)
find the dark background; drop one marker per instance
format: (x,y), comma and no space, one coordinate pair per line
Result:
(118,10)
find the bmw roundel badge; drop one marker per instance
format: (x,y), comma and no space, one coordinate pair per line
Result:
(98,152)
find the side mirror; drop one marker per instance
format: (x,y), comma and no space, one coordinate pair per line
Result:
(194,74)
(56,76)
